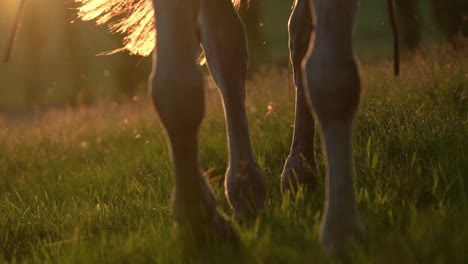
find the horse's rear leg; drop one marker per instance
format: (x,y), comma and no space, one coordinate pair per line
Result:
(334,91)
(300,167)
(224,43)
(177,88)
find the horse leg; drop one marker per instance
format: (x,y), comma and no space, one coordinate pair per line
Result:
(224,43)
(177,90)
(300,167)
(333,83)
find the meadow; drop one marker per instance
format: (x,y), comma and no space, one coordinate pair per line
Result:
(93,184)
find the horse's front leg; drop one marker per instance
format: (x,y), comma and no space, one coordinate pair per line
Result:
(224,43)
(177,89)
(300,167)
(334,89)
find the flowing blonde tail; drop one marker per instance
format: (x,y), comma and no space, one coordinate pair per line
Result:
(134,18)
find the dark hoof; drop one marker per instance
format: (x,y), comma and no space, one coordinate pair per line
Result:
(298,172)
(337,236)
(196,217)
(205,232)
(246,191)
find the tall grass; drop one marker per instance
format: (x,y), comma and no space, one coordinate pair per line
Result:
(93,185)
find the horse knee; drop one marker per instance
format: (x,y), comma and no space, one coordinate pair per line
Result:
(179,100)
(334,89)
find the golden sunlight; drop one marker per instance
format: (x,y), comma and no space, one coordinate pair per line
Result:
(9,7)
(13,30)
(137,23)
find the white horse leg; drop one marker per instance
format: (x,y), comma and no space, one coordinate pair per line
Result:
(334,90)
(224,44)
(300,167)
(177,88)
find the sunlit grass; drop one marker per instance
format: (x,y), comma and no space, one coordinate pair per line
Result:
(93,185)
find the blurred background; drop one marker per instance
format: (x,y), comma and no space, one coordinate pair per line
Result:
(54,62)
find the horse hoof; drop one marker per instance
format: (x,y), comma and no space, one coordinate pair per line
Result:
(246,190)
(205,232)
(298,172)
(340,233)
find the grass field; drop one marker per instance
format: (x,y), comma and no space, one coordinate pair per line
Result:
(92,185)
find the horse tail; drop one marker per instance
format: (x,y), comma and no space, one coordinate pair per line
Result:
(133,18)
